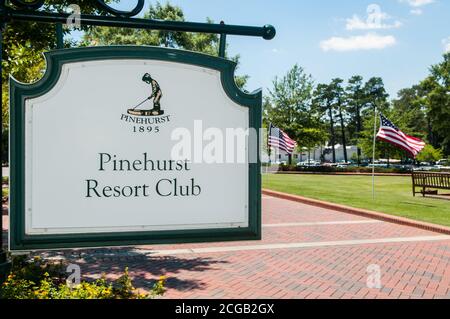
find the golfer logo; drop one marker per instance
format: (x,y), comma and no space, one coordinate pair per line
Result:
(156,96)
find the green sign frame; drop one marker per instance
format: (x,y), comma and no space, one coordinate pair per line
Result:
(19,92)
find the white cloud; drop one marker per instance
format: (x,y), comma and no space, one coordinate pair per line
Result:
(375,20)
(418,3)
(446,43)
(416,12)
(370,41)
(355,23)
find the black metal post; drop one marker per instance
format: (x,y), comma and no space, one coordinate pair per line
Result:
(222,43)
(59,36)
(5,264)
(267,32)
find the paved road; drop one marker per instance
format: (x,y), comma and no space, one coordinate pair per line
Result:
(307,252)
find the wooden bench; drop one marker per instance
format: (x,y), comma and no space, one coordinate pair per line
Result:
(426,180)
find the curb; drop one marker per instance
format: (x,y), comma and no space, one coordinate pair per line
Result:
(360,212)
(344,174)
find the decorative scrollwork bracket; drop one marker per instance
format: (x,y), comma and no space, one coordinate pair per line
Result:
(119,13)
(37,4)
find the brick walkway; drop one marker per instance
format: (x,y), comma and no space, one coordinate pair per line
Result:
(307,252)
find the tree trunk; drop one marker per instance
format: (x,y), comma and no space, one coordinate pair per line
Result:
(344,141)
(431,136)
(322,156)
(330,113)
(358,131)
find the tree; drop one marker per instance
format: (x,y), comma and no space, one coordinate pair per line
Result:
(311,137)
(376,99)
(324,98)
(207,43)
(198,42)
(23,44)
(423,110)
(409,112)
(436,97)
(375,95)
(362,99)
(339,100)
(430,154)
(356,103)
(289,107)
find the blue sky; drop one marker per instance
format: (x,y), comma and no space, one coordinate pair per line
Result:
(395,39)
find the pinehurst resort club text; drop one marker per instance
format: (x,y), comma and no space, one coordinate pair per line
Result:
(163,187)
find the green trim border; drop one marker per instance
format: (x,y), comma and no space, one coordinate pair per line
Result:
(19,92)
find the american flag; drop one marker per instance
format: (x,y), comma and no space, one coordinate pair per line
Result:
(390,133)
(279,139)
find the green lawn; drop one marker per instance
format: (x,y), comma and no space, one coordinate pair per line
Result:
(393,194)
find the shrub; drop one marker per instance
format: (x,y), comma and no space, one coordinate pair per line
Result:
(5,194)
(39,279)
(430,154)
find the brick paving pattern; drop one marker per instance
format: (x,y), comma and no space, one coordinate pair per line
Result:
(416,267)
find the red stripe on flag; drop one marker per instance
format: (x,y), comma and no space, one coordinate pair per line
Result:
(400,146)
(400,138)
(410,139)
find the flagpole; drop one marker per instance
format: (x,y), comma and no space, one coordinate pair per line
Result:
(269,150)
(373,148)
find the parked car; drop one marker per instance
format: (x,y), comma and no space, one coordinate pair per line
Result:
(343,164)
(330,164)
(423,168)
(310,163)
(442,167)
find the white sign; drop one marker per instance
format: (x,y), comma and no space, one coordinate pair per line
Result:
(101,153)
